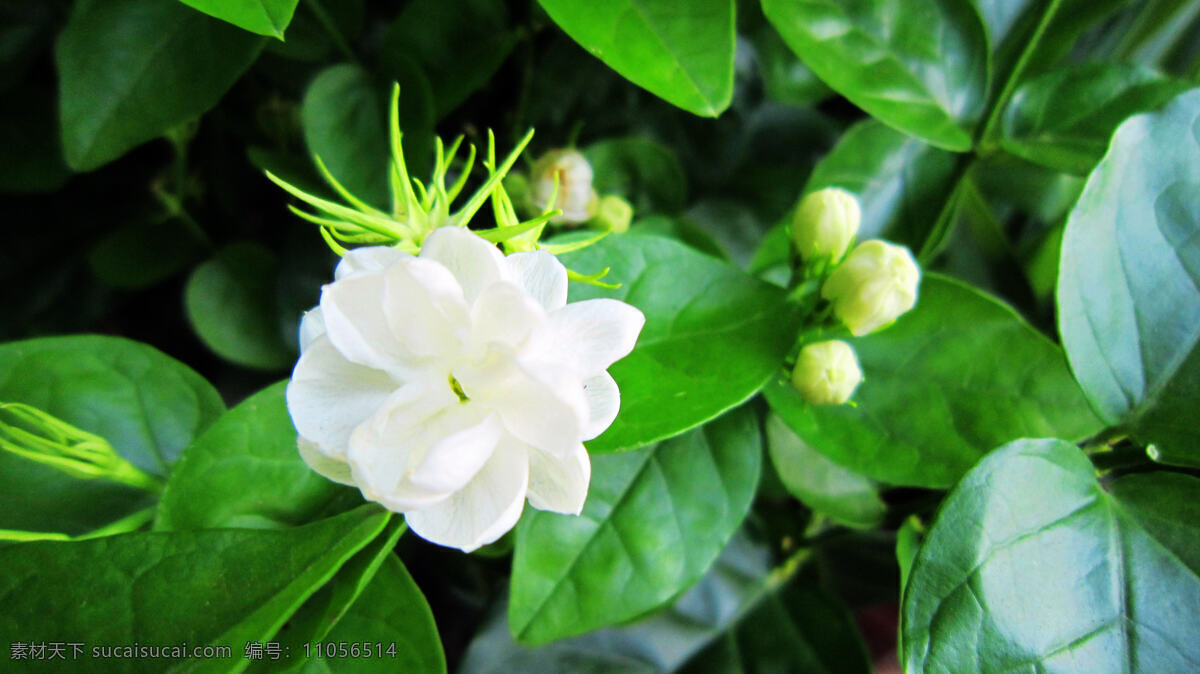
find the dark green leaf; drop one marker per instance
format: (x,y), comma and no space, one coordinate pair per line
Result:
(231,304)
(954,377)
(343,118)
(901,183)
(460,46)
(654,521)
(820,483)
(129,70)
(217,586)
(148,405)
(642,171)
(144,253)
(920,67)
(245,471)
(1031,565)
(30,151)
(683,230)
(681,52)
(1129,280)
(1064,119)
(265,17)
(713,335)
(785,78)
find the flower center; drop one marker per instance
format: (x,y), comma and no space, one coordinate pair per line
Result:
(458,390)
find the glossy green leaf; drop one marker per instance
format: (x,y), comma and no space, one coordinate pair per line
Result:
(343,118)
(956,376)
(245,472)
(785,78)
(681,229)
(1129,280)
(1032,565)
(129,70)
(644,172)
(231,304)
(144,253)
(920,67)
(712,339)
(459,45)
(320,30)
(390,611)
(1064,119)
(901,183)
(265,17)
(147,405)
(681,52)
(661,642)
(216,586)
(654,521)
(820,483)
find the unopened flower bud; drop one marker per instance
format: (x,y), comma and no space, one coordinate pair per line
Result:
(825,223)
(875,284)
(826,373)
(565,176)
(614,214)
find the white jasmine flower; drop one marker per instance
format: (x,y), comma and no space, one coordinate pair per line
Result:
(873,286)
(827,373)
(454,385)
(571,174)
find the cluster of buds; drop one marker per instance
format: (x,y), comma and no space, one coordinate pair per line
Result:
(562,181)
(867,289)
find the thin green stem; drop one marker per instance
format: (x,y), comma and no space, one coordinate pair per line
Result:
(1014,76)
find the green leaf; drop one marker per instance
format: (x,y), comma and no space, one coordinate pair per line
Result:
(680,229)
(460,45)
(654,521)
(681,52)
(30,151)
(661,642)
(146,252)
(820,483)
(147,405)
(918,66)
(391,610)
(959,374)
(1129,281)
(343,118)
(1032,565)
(1064,119)
(785,78)
(713,335)
(245,472)
(129,70)
(231,304)
(216,586)
(901,183)
(265,17)
(642,171)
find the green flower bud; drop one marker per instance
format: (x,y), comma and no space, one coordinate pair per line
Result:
(826,373)
(614,214)
(875,284)
(565,177)
(825,223)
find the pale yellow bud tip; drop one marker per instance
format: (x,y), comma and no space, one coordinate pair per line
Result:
(614,213)
(874,286)
(826,373)
(825,223)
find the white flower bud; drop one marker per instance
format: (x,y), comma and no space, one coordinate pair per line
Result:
(614,214)
(575,196)
(826,373)
(875,284)
(825,223)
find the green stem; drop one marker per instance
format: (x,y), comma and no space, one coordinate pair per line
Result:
(330,27)
(1014,76)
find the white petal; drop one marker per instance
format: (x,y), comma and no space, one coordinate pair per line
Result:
(542,276)
(591,335)
(475,262)
(541,407)
(356,324)
(333,469)
(505,314)
(559,484)
(312,326)
(328,396)
(368,259)
(425,309)
(603,401)
(452,461)
(482,511)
